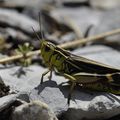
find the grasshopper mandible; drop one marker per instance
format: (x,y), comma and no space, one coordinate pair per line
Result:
(79,70)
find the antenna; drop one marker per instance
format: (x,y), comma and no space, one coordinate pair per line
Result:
(40,24)
(36,33)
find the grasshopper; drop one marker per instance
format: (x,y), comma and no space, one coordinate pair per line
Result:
(79,70)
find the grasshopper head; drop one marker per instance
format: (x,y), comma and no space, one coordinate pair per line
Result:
(46,47)
(47,51)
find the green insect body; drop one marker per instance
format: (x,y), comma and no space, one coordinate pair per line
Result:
(79,70)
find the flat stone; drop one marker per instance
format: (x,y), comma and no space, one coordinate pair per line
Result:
(4,90)
(35,110)
(52,94)
(82,18)
(17,20)
(105,4)
(84,104)
(25,3)
(109,21)
(99,106)
(24,96)
(100,53)
(75,1)
(17,35)
(72,3)
(6,101)
(25,82)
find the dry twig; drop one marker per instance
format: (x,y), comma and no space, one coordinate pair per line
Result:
(75,43)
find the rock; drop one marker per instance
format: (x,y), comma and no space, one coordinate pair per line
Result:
(25,3)
(83,17)
(40,3)
(67,37)
(17,21)
(24,96)
(72,3)
(64,38)
(101,54)
(35,110)
(55,95)
(17,35)
(52,94)
(53,26)
(26,82)
(97,107)
(6,101)
(105,4)
(109,21)
(83,102)
(115,118)
(10,38)
(91,105)
(7,104)
(14,37)
(4,90)
(75,1)
(33,13)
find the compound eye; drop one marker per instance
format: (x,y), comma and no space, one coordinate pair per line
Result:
(58,57)
(47,48)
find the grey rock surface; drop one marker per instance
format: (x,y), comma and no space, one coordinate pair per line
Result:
(75,1)
(35,110)
(25,82)
(24,96)
(17,20)
(4,90)
(39,3)
(84,104)
(17,35)
(101,54)
(105,4)
(55,94)
(7,104)
(109,21)
(6,101)
(71,2)
(26,3)
(97,107)
(83,17)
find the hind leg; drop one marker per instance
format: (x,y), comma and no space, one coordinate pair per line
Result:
(70,92)
(73,83)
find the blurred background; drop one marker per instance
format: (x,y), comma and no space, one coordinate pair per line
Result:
(62,22)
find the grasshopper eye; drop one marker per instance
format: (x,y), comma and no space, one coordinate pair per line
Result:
(58,57)
(47,48)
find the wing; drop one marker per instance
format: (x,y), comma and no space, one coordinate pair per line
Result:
(87,65)
(91,66)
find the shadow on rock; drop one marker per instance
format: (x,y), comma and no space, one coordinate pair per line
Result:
(48,83)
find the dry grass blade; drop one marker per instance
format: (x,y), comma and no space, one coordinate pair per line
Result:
(19,56)
(65,45)
(89,39)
